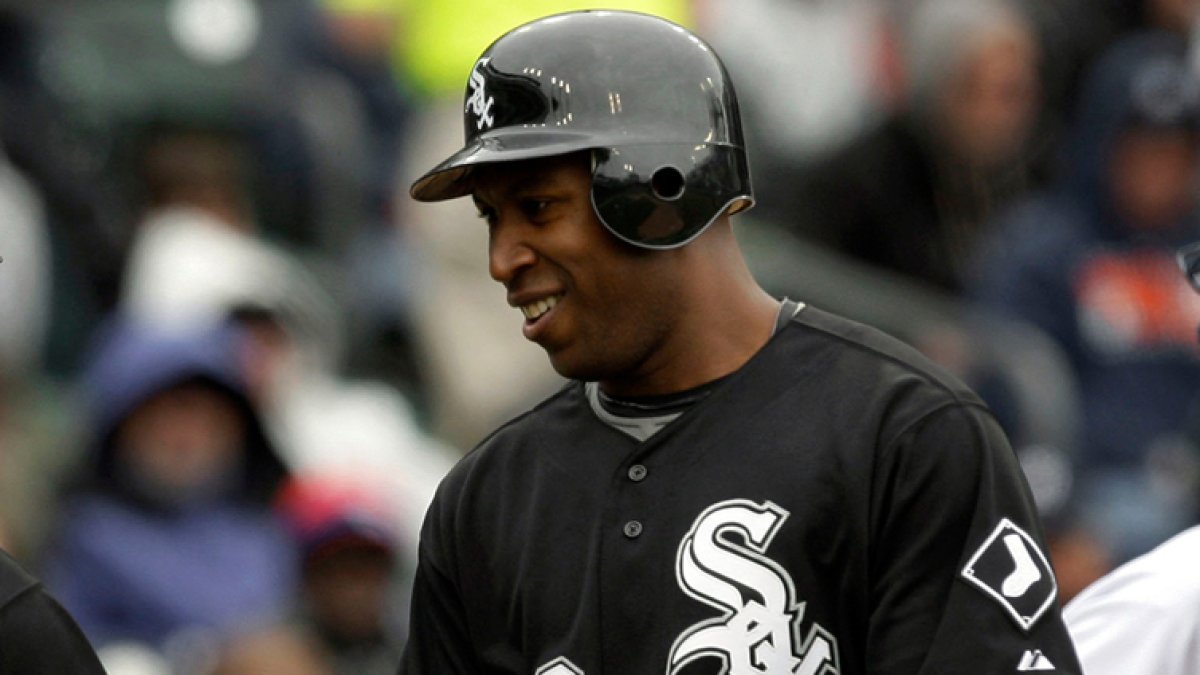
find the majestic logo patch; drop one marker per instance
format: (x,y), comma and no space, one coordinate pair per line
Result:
(1034,659)
(559,666)
(479,103)
(1011,569)
(722,563)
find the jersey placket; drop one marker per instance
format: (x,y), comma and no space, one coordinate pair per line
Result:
(636,570)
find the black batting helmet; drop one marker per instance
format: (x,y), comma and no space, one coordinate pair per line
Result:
(651,101)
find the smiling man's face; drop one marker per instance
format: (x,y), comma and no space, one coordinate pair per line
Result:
(600,308)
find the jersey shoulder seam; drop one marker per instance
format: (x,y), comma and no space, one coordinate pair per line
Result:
(955,395)
(928,415)
(933,378)
(564,390)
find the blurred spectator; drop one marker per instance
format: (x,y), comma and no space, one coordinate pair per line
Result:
(336,111)
(309,160)
(195,167)
(348,545)
(78,237)
(1073,34)
(169,532)
(25,271)
(1143,617)
(913,195)
(228,64)
(355,111)
(1092,265)
(304,122)
(85,77)
(188,268)
(197,253)
(39,638)
(31,427)
(811,76)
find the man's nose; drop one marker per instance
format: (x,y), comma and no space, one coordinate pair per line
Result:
(509,251)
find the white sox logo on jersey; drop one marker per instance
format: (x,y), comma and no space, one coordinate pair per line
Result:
(479,103)
(722,563)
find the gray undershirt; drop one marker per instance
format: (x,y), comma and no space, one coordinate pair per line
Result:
(643,426)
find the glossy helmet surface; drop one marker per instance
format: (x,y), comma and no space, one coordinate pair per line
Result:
(650,100)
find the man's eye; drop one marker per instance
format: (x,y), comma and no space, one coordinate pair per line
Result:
(534,207)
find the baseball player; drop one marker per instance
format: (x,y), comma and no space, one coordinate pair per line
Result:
(730,483)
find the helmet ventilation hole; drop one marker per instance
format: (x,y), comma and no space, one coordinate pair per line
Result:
(667,183)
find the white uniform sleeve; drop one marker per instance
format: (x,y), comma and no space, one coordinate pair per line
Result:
(1145,616)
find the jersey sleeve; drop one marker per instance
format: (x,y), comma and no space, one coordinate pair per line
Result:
(1136,621)
(960,581)
(40,637)
(37,636)
(438,638)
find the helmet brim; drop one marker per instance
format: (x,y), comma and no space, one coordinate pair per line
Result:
(452,178)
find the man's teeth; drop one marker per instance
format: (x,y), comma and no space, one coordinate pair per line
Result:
(535,309)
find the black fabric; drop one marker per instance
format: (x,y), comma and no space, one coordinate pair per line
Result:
(816,513)
(37,636)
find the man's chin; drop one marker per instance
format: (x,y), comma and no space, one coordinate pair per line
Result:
(571,366)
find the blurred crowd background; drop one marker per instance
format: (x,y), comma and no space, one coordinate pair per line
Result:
(235,358)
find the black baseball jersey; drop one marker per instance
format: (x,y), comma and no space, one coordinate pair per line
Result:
(37,636)
(837,505)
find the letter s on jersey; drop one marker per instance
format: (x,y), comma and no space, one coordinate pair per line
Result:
(755,634)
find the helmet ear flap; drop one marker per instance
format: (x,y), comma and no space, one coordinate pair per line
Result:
(627,204)
(662,196)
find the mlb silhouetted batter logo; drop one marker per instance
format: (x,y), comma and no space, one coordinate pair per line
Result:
(1011,569)
(722,562)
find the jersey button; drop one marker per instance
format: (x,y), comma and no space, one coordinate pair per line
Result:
(633,529)
(637,473)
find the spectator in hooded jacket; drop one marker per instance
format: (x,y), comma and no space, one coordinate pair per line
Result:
(1092,265)
(1142,617)
(171,530)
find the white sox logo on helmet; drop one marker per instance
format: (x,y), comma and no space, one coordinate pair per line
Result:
(757,632)
(479,103)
